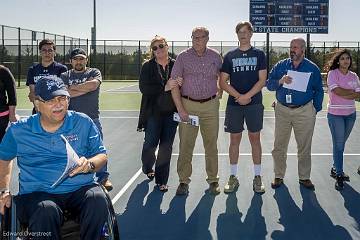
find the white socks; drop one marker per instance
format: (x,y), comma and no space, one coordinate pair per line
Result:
(257,169)
(233,169)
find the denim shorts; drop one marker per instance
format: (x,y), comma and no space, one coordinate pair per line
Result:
(236,115)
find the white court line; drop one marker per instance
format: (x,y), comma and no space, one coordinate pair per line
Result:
(116,89)
(128,184)
(131,117)
(269,154)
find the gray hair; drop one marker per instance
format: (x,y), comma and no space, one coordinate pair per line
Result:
(200,29)
(301,41)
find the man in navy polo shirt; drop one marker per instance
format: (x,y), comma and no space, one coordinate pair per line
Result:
(38,144)
(47,67)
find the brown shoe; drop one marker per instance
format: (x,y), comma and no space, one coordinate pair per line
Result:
(183,189)
(214,188)
(107,184)
(307,184)
(277,183)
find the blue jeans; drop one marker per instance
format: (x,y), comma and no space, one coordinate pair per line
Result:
(102,174)
(159,131)
(340,128)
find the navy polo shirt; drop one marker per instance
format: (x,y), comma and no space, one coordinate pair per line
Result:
(41,156)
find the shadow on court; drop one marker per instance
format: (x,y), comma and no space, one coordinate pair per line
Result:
(144,219)
(230,226)
(311,222)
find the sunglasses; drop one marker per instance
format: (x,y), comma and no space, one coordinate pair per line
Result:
(154,48)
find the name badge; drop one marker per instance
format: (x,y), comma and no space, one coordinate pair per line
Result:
(288,98)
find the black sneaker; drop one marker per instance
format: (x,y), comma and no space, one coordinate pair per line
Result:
(339,184)
(359,170)
(344,175)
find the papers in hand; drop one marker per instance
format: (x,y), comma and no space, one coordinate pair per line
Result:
(193,120)
(299,82)
(72,162)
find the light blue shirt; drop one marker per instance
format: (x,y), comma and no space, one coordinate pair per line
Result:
(41,156)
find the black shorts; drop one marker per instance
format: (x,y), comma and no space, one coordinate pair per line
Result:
(235,116)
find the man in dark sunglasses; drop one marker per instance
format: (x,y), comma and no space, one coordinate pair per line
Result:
(199,66)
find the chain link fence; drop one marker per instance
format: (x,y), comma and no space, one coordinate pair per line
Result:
(122,59)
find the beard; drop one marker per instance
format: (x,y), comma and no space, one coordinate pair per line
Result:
(79,67)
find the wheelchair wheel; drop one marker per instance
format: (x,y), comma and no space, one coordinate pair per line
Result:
(5,223)
(111,229)
(69,231)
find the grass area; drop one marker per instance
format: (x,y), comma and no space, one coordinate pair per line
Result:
(131,101)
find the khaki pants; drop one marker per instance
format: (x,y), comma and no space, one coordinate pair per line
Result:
(208,113)
(302,120)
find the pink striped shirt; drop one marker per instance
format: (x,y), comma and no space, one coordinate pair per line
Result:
(200,73)
(338,105)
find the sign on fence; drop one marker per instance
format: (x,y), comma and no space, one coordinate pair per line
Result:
(289,16)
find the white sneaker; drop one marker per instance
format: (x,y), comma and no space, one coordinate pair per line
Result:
(258,186)
(231,185)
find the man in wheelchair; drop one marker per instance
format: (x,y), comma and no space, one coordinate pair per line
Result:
(38,142)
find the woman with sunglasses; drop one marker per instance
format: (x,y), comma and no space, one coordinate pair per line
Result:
(343,89)
(156,112)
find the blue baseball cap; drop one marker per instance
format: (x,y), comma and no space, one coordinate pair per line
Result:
(49,87)
(78,52)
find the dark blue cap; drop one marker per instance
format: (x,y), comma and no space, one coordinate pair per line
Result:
(78,52)
(49,87)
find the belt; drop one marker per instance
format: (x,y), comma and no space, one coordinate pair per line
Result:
(199,100)
(293,106)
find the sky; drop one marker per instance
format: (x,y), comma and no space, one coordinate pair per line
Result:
(143,19)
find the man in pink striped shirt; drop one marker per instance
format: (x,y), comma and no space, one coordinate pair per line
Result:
(199,66)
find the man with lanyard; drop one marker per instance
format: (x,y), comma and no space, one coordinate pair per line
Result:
(47,67)
(199,66)
(84,88)
(295,110)
(245,66)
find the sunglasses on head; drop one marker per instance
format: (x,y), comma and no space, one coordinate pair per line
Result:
(154,48)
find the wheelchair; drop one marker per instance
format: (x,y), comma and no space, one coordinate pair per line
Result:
(12,229)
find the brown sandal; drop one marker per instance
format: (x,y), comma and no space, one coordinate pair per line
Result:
(163,187)
(151,175)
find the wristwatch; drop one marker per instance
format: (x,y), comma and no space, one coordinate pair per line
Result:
(91,167)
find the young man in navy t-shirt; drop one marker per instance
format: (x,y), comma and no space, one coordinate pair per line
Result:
(47,67)
(246,68)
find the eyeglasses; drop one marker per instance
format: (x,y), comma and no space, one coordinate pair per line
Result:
(197,38)
(243,32)
(154,48)
(55,100)
(50,50)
